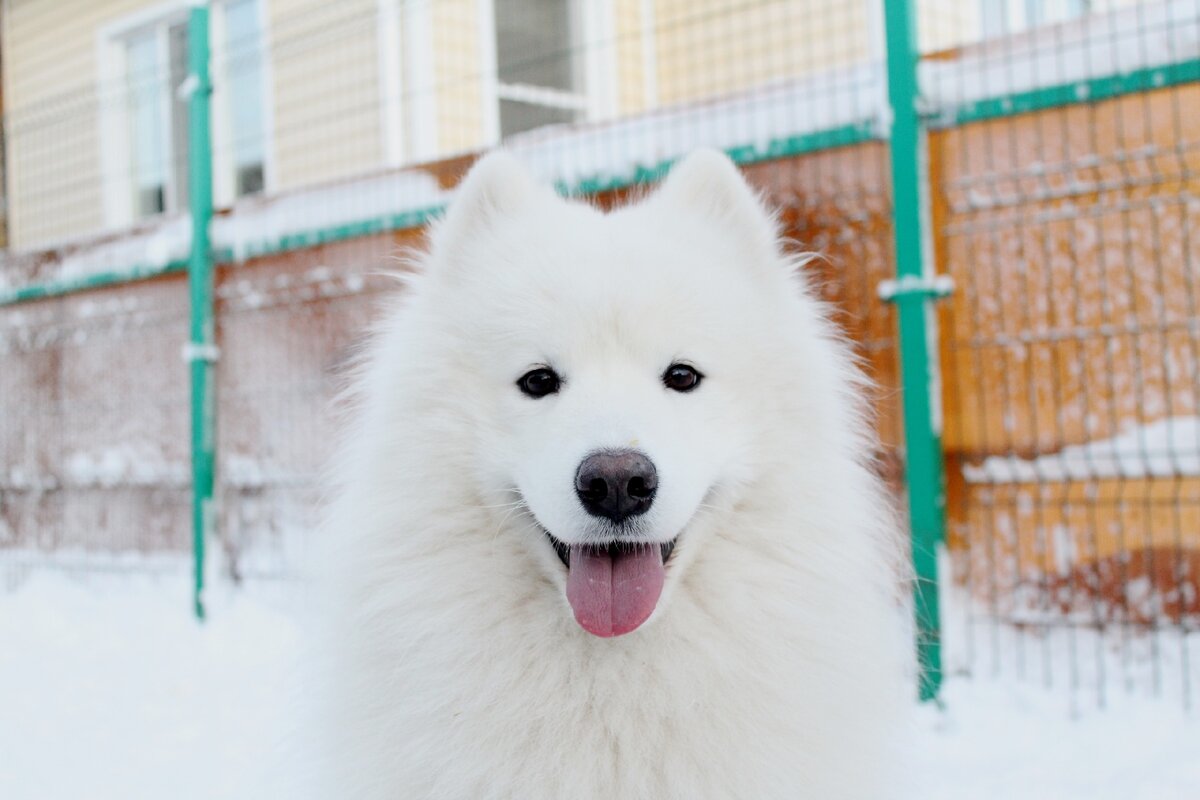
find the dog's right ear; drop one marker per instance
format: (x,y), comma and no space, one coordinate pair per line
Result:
(496,186)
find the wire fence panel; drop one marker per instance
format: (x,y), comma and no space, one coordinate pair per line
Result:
(94,431)
(1062,153)
(1071,347)
(289,328)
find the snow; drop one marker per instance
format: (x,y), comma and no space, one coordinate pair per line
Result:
(257,225)
(126,464)
(1165,448)
(999,741)
(150,247)
(111,690)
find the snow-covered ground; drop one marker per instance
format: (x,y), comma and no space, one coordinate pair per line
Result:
(109,690)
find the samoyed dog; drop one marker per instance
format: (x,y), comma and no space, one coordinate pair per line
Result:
(606,523)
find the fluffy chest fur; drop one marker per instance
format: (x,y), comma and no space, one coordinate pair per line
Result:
(765,679)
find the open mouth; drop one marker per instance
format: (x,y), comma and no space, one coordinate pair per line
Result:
(613,588)
(563,550)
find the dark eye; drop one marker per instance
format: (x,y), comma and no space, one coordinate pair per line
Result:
(681,378)
(539,382)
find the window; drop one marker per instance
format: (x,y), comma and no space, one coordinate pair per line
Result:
(244,77)
(155,61)
(538,77)
(145,137)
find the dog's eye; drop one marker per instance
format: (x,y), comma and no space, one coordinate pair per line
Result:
(539,382)
(681,378)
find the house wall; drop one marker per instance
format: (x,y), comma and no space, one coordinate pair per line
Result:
(635,73)
(709,47)
(327,111)
(326,93)
(322,71)
(326,100)
(52,115)
(457,73)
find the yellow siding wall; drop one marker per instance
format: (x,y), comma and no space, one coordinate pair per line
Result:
(323,72)
(326,94)
(630,23)
(713,47)
(52,119)
(942,24)
(324,82)
(457,74)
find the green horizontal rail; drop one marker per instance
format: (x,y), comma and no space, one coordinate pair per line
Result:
(1090,90)
(302,240)
(99,280)
(745,155)
(783,147)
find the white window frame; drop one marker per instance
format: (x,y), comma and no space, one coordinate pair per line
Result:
(224,166)
(595,37)
(417,37)
(113,154)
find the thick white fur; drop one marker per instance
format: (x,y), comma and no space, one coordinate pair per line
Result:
(772,666)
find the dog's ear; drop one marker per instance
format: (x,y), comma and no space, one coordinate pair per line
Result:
(496,186)
(709,184)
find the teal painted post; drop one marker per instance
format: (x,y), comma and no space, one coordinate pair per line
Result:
(918,339)
(201,350)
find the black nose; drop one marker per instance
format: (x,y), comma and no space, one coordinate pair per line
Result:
(616,484)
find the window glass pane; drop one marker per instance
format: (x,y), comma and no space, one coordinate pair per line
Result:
(249,179)
(516,117)
(534,43)
(178,54)
(145,80)
(995,17)
(1057,11)
(245,77)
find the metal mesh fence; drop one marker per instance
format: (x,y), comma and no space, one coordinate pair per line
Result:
(286,330)
(1070,347)
(1062,163)
(94,432)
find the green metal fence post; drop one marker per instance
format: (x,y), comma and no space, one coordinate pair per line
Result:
(201,350)
(912,291)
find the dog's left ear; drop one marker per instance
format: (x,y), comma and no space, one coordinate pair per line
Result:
(709,184)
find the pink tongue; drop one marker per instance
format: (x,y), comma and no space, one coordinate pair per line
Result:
(614,594)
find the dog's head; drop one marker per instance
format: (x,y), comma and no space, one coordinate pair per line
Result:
(620,365)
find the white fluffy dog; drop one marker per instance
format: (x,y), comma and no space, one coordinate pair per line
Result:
(606,523)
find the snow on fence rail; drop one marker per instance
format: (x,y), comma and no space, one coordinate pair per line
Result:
(1166,448)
